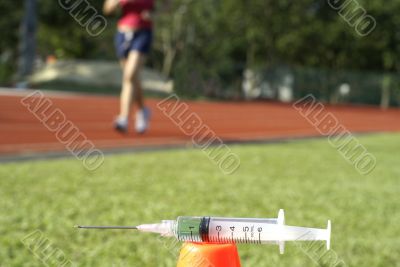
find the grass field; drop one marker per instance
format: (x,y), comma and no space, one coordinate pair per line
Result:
(309,179)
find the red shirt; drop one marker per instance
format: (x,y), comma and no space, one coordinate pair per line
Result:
(132,13)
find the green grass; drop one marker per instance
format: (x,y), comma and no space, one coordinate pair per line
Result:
(309,179)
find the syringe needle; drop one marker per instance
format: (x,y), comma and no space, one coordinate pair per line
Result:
(106,227)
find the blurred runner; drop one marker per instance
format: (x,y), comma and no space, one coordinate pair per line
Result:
(132,42)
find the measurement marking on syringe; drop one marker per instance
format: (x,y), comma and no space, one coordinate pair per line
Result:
(239,220)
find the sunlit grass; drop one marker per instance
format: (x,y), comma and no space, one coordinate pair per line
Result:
(309,179)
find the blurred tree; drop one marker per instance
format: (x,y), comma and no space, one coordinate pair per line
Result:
(61,35)
(27,39)
(171,31)
(12,14)
(213,41)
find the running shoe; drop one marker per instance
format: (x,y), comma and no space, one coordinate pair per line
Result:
(121,124)
(142,120)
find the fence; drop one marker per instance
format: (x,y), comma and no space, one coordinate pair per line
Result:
(286,83)
(331,86)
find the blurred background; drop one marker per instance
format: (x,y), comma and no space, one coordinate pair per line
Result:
(221,49)
(239,65)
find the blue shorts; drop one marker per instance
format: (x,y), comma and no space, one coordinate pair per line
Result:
(139,40)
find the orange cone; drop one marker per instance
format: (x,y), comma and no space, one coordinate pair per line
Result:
(208,255)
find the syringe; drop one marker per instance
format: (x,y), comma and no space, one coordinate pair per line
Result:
(231,230)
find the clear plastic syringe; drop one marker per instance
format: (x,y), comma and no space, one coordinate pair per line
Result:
(232,230)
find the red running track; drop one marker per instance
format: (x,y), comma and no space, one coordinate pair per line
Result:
(21,133)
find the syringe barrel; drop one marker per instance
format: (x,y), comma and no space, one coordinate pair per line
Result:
(244,230)
(197,229)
